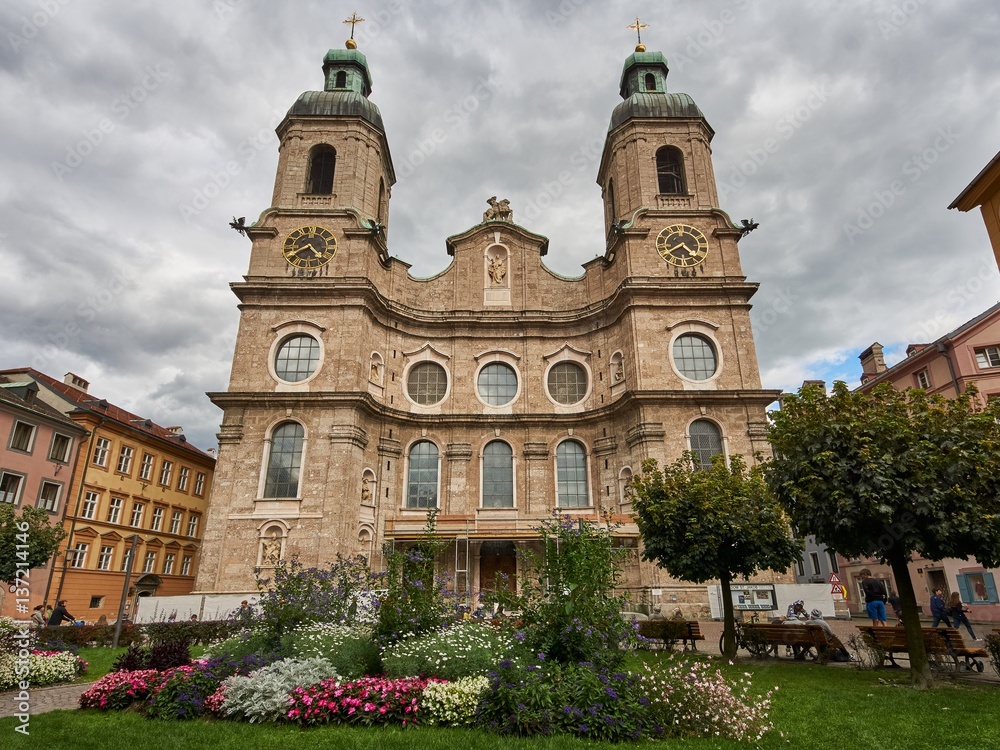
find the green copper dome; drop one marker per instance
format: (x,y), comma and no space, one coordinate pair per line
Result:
(348,82)
(644,89)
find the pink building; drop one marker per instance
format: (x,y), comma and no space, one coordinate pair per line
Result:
(37,455)
(969,354)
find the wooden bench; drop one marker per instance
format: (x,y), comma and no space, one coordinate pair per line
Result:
(940,643)
(762,639)
(665,633)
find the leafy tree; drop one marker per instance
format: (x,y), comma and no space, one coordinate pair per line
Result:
(717,523)
(889,474)
(567,605)
(26,540)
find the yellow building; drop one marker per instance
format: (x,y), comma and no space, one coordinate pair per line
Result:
(132,478)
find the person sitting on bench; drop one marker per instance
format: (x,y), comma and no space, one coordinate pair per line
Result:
(839,652)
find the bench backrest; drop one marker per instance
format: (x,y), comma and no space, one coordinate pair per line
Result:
(813,635)
(894,638)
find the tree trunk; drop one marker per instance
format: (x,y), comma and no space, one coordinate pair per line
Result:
(920,668)
(728,619)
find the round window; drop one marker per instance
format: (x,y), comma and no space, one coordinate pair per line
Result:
(497,384)
(297,358)
(426,383)
(567,382)
(694,357)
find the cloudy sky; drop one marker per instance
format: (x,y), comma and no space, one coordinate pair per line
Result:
(844,128)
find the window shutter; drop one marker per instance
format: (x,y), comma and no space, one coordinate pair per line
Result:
(991,588)
(964,588)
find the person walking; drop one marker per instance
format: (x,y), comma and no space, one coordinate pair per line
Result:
(874,598)
(59,615)
(939,611)
(956,611)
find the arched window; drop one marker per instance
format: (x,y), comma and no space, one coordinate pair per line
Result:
(571,475)
(379,215)
(422,477)
(498,475)
(612,205)
(706,441)
(321,169)
(670,171)
(284,461)
(341,82)
(650,82)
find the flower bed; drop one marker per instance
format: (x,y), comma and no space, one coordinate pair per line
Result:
(44,668)
(368,701)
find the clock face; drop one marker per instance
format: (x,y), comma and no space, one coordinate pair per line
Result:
(309,247)
(682,245)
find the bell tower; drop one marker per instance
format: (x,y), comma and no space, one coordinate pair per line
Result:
(333,152)
(658,153)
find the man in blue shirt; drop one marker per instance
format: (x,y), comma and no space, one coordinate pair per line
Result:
(939,611)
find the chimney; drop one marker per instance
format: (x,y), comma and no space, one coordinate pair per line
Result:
(76,381)
(872,362)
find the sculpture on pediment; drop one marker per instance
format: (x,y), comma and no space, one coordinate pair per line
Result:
(498,210)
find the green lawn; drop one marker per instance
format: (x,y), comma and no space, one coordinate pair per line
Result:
(815,707)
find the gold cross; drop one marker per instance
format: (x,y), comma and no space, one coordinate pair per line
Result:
(354,19)
(638,26)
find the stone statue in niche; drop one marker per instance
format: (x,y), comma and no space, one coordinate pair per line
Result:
(270,552)
(619,374)
(497,269)
(375,374)
(498,210)
(366,492)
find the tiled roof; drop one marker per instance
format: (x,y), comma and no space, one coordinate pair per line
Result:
(89,403)
(921,348)
(9,396)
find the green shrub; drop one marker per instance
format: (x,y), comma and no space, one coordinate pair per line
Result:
(349,649)
(567,604)
(161,657)
(416,600)
(86,635)
(263,695)
(296,595)
(462,650)
(193,632)
(993,646)
(244,644)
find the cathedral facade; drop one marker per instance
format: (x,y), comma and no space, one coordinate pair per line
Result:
(495,393)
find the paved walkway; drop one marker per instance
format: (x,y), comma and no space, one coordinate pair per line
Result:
(43,699)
